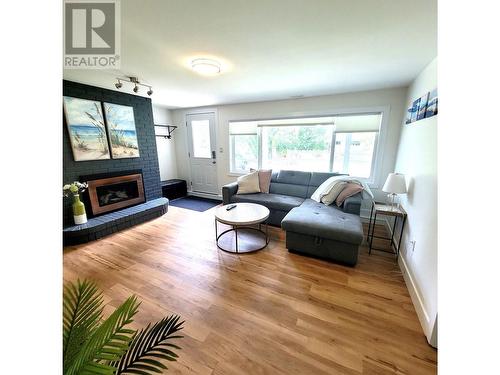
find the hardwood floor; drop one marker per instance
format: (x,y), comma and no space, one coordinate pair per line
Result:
(269,312)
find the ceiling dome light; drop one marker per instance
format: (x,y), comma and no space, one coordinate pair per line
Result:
(205,66)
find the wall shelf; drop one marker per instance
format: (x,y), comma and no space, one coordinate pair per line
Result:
(166,129)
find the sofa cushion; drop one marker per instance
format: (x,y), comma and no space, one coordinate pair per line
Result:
(316,219)
(317,178)
(293,177)
(271,201)
(288,189)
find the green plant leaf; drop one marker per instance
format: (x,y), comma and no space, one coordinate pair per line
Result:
(82,312)
(149,346)
(107,343)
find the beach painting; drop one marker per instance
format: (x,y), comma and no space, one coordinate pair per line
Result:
(121,129)
(432,106)
(86,129)
(422,106)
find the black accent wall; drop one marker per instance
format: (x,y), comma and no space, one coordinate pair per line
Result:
(147,162)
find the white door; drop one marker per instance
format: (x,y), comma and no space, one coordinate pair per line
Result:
(202,155)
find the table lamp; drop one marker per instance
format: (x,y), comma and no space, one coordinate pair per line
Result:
(395,184)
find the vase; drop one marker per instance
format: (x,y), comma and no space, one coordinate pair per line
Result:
(79,214)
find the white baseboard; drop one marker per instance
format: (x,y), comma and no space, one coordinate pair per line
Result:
(417,300)
(416,297)
(205,195)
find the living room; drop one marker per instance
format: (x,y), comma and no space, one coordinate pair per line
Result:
(243,196)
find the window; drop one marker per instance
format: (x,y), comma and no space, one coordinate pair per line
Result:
(301,147)
(244,146)
(354,153)
(201,138)
(343,144)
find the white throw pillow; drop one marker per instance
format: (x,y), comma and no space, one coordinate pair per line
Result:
(325,188)
(249,183)
(334,192)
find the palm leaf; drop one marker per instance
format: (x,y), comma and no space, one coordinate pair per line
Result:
(107,344)
(149,347)
(82,311)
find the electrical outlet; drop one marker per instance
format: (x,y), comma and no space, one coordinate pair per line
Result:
(412,247)
(409,248)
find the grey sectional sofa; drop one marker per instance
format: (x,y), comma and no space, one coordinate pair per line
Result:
(311,228)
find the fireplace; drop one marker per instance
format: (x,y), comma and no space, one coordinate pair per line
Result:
(112,193)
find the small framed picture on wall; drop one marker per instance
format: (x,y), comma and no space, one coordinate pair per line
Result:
(414,110)
(422,106)
(432,105)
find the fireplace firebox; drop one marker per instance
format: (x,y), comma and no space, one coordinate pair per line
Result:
(116,192)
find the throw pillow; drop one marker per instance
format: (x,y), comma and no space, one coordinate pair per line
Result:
(349,190)
(334,192)
(325,188)
(249,183)
(264,179)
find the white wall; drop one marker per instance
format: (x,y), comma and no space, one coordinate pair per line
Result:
(394,99)
(417,159)
(165,147)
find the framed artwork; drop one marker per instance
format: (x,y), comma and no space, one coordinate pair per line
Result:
(120,123)
(86,129)
(414,110)
(422,106)
(432,105)
(408,116)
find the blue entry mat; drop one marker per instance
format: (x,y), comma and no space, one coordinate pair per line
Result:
(195,203)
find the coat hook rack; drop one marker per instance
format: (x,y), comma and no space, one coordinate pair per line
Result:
(170,130)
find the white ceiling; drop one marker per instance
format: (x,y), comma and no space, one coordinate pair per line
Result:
(270,49)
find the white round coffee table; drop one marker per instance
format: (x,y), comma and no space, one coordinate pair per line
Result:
(246,220)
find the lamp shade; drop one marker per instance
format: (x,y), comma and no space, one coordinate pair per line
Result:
(395,184)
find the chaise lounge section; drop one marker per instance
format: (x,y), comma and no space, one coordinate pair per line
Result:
(312,228)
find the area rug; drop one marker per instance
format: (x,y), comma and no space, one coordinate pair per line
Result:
(195,203)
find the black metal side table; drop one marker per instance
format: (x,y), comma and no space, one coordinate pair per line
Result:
(383,209)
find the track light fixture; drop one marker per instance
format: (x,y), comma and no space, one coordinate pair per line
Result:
(135,81)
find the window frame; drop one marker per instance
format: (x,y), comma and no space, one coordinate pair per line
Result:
(378,150)
(370,179)
(232,158)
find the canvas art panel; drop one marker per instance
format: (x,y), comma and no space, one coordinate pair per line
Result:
(414,110)
(408,115)
(422,106)
(120,123)
(86,129)
(432,105)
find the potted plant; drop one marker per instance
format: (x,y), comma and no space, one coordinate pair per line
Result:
(75,189)
(93,345)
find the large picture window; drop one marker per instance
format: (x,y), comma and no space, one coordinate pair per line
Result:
(343,144)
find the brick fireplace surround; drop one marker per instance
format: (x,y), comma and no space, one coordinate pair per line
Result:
(147,163)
